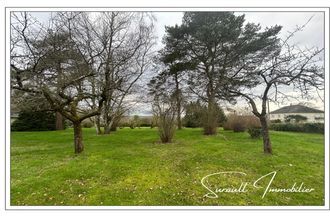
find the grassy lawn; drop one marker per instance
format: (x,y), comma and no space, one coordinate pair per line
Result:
(130,167)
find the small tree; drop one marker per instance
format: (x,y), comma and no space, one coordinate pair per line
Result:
(165,113)
(176,66)
(196,114)
(30,102)
(48,61)
(281,64)
(34,121)
(164,109)
(120,45)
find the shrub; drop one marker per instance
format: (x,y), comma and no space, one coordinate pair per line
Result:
(313,127)
(195,112)
(34,121)
(238,126)
(307,127)
(251,121)
(166,128)
(231,121)
(227,126)
(165,115)
(239,123)
(254,132)
(285,127)
(196,115)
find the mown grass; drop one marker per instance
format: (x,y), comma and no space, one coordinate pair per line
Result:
(131,167)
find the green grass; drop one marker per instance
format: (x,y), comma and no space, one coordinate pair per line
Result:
(131,167)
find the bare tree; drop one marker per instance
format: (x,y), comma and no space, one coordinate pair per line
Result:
(164,110)
(47,61)
(287,66)
(118,45)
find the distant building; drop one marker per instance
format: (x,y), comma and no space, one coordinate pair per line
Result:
(313,115)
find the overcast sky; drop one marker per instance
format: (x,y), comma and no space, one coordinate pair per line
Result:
(312,35)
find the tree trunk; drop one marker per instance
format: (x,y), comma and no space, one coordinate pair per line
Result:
(265,135)
(179,115)
(210,127)
(78,140)
(59,121)
(107,127)
(97,125)
(178,100)
(114,126)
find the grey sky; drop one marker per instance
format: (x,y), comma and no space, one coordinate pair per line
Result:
(313,35)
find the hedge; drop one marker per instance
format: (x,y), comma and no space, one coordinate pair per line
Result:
(303,127)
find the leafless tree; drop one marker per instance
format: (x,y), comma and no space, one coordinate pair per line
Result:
(46,60)
(164,110)
(118,45)
(287,66)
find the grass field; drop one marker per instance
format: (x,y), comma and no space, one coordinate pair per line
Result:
(131,167)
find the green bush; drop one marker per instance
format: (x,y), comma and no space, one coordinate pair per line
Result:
(196,114)
(254,132)
(313,127)
(34,121)
(306,127)
(286,127)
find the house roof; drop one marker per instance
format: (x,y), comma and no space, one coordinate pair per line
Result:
(296,109)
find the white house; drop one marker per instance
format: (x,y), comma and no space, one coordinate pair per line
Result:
(312,115)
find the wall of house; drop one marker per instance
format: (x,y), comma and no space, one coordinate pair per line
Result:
(311,117)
